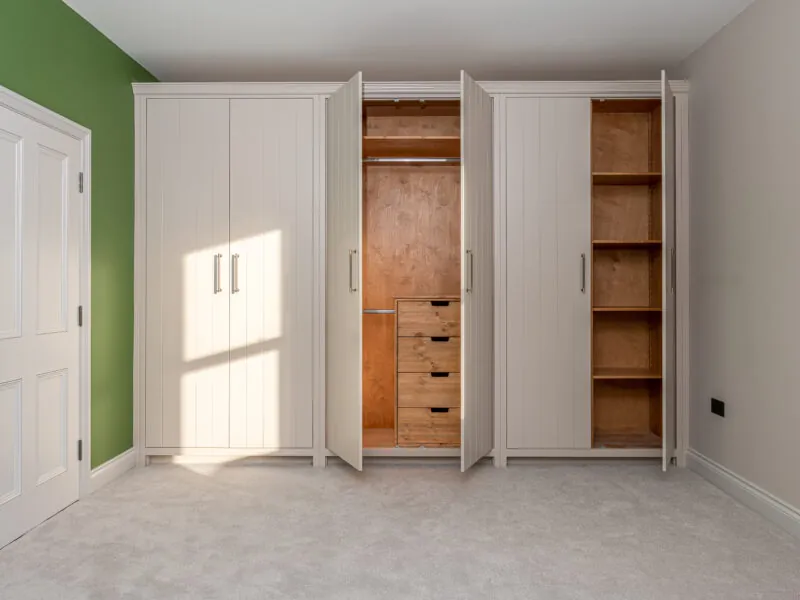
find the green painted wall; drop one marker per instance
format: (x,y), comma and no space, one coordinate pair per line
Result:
(51,55)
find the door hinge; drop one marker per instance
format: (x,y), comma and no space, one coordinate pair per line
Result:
(80,316)
(80,450)
(80,182)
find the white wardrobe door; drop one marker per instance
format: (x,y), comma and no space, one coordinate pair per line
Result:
(343,360)
(40,240)
(668,273)
(477,279)
(272,150)
(187,383)
(548,198)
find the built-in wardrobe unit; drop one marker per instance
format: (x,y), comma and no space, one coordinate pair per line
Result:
(407,270)
(589,199)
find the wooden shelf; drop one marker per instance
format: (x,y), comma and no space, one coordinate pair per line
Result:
(625,178)
(626,439)
(619,309)
(400,146)
(379,438)
(615,244)
(601,373)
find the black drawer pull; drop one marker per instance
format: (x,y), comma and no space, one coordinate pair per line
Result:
(440,374)
(440,303)
(440,410)
(440,339)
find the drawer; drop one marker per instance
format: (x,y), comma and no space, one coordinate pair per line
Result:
(428,427)
(428,318)
(425,390)
(426,355)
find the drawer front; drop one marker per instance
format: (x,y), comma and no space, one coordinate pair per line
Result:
(428,318)
(426,390)
(428,427)
(427,355)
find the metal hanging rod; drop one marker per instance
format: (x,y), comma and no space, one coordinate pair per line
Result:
(378,311)
(406,160)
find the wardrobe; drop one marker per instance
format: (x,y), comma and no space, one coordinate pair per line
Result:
(453,270)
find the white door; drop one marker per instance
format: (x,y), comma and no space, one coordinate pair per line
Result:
(187,341)
(40,238)
(343,432)
(669,277)
(548,306)
(272,276)
(477,274)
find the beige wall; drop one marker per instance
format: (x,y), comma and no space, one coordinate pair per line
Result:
(745,246)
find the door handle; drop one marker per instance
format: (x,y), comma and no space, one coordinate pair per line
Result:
(353,288)
(583,273)
(673,264)
(469,272)
(234,273)
(217,270)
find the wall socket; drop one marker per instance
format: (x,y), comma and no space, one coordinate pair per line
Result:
(718,407)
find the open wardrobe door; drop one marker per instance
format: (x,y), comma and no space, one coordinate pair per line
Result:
(343,362)
(477,274)
(668,402)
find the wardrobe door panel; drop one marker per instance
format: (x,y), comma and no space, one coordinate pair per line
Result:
(187,343)
(271,272)
(477,273)
(668,416)
(548,196)
(343,321)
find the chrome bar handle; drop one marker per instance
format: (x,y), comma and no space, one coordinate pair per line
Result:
(234,273)
(672,267)
(469,272)
(353,288)
(217,270)
(583,273)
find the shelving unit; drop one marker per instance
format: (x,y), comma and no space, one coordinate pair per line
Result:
(626,273)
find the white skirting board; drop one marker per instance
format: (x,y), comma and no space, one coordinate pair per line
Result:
(111,470)
(749,494)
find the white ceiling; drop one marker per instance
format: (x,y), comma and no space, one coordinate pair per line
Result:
(327,40)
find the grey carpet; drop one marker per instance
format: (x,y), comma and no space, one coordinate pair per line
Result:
(412,533)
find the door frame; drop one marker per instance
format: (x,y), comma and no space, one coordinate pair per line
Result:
(44,116)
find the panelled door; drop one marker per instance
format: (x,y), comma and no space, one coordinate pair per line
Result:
(343,360)
(669,266)
(40,239)
(271,275)
(548,298)
(477,273)
(188,278)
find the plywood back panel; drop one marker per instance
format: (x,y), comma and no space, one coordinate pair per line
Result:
(625,405)
(621,143)
(412,118)
(626,213)
(627,278)
(626,136)
(379,371)
(627,340)
(412,244)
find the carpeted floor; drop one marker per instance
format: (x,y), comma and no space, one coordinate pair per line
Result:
(412,533)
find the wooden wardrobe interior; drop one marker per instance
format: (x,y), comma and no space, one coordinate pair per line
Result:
(411,229)
(626,274)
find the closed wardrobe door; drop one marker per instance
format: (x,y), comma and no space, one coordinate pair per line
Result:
(187,342)
(271,272)
(548,307)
